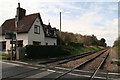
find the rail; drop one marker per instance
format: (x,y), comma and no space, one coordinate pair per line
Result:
(95,72)
(78,66)
(70,57)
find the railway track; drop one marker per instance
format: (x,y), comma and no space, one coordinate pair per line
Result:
(101,64)
(62,73)
(106,52)
(68,59)
(61,63)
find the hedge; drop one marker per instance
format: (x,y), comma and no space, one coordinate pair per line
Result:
(44,51)
(75,44)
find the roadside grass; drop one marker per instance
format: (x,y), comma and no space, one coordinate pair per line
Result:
(117,51)
(78,50)
(114,62)
(4,57)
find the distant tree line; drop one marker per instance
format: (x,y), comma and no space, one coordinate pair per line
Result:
(117,43)
(87,40)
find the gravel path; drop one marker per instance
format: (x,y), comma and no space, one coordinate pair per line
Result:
(108,66)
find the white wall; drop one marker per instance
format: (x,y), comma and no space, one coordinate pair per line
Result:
(50,41)
(2,38)
(36,37)
(22,36)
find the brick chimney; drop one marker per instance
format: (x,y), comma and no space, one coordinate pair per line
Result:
(20,12)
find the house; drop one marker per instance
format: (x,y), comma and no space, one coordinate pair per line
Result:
(30,30)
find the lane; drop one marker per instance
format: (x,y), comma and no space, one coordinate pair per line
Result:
(19,72)
(22,72)
(10,70)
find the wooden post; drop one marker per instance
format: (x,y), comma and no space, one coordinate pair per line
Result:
(60,28)
(16,30)
(12,47)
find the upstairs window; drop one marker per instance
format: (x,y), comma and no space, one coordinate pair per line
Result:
(47,31)
(54,33)
(37,29)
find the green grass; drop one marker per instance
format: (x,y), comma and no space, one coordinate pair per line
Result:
(78,50)
(4,57)
(117,51)
(115,63)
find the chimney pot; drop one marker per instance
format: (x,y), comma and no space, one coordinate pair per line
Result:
(19,5)
(20,12)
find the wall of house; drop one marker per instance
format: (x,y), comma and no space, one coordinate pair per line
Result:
(51,41)
(2,38)
(36,37)
(22,36)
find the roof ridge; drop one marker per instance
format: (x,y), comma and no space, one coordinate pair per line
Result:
(23,17)
(33,13)
(10,19)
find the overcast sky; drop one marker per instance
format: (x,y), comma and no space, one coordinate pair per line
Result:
(86,18)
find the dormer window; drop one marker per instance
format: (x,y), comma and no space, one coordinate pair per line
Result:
(37,29)
(54,33)
(46,31)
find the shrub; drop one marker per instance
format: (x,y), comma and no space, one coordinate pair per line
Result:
(75,44)
(43,51)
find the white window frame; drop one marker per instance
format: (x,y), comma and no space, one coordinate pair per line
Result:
(37,29)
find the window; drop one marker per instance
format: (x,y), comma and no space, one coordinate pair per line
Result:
(3,44)
(37,29)
(46,31)
(36,43)
(19,43)
(54,33)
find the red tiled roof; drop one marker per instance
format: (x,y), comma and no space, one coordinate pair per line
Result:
(23,25)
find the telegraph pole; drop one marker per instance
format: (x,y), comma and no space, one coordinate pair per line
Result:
(60,28)
(16,30)
(12,47)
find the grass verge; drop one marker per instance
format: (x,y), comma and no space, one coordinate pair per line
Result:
(117,51)
(4,57)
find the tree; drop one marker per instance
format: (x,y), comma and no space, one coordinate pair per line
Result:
(88,40)
(102,42)
(115,43)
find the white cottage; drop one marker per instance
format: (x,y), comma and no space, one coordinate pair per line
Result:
(30,30)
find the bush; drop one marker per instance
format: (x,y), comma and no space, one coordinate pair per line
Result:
(75,44)
(43,51)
